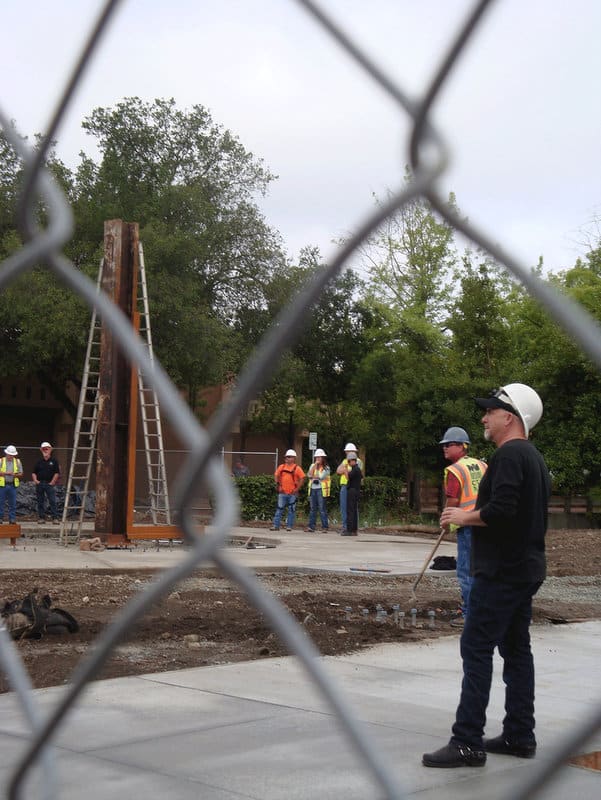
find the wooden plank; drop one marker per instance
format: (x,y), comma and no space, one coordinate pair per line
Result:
(10,531)
(156,532)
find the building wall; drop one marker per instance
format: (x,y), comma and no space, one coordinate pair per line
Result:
(29,415)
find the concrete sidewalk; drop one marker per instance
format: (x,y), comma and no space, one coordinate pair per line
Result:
(258,730)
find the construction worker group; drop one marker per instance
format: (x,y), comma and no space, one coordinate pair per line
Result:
(290,477)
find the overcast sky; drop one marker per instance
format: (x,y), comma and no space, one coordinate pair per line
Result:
(521,114)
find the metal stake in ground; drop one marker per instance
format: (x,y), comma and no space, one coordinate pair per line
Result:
(413,597)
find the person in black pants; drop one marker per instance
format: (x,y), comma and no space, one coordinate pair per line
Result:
(355,476)
(509,524)
(46,474)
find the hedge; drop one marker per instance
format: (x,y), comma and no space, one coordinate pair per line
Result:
(380,497)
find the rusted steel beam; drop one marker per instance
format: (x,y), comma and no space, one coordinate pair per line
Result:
(118,400)
(114,470)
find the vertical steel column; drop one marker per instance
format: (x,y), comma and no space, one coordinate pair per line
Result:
(115,467)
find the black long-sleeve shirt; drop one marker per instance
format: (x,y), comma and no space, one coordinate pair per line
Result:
(513,499)
(355,477)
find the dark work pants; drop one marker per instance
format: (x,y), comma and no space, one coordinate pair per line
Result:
(352,510)
(44,489)
(499,616)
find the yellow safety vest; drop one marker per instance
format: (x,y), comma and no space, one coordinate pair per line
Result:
(344,478)
(18,470)
(324,476)
(469,472)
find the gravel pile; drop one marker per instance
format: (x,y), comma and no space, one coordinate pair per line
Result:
(571,589)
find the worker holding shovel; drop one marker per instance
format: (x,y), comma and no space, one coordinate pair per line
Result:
(461,481)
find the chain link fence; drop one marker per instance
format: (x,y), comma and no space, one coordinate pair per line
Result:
(45,246)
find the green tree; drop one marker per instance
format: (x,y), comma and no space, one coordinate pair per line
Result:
(478,323)
(481,354)
(192,187)
(319,369)
(410,261)
(569,433)
(410,265)
(10,172)
(43,330)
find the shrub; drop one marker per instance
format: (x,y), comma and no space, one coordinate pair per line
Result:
(387,492)
(257,497)
(381,498)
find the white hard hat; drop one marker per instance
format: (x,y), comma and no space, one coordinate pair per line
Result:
(11,450)
(291,453)
(350,446)
(320,452)
(519,399)
(45,444)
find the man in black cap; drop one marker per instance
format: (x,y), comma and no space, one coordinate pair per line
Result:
(46,474)
(508,566)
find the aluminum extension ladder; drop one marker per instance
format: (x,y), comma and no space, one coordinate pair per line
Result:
(151,418)
(84,440)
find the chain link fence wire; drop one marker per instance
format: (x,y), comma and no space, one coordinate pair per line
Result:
(44,246)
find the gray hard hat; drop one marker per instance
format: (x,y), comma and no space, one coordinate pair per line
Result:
(455,434)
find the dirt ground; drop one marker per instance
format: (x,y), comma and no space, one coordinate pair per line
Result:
(207,621)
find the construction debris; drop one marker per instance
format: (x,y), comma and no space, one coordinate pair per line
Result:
(94,545)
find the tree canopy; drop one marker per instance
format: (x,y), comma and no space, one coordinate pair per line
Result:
(192,187)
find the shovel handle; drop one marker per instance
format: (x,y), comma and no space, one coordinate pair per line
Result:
(428,559)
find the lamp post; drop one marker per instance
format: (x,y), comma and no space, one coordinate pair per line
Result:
(291,403)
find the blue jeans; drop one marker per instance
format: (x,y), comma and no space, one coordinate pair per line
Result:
(343,493)
(285,500)
(499,616)
(42,490)
(8,492)
(317,502)
(464,557)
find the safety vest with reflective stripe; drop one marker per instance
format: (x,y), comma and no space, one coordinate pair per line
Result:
(323,474)
(469,472)
(18,469)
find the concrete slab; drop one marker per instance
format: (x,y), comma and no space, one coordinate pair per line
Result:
(260,729)
(122,717)
(96,779)
(368,553)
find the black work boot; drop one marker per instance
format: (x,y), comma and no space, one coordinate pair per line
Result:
(455,755)
(504,747)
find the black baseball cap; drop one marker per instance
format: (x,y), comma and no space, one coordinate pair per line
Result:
(498,399)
